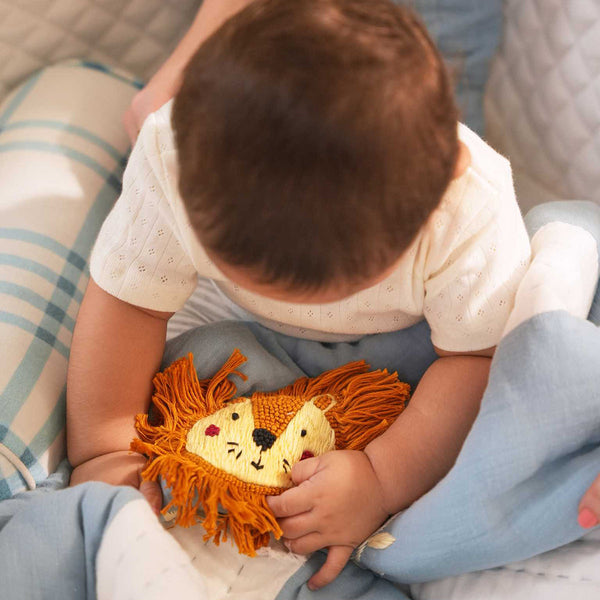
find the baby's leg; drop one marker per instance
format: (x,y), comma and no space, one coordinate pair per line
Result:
(208,304)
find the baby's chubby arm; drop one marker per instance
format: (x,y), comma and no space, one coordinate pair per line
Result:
(420,448)
(342,497)
(116,350)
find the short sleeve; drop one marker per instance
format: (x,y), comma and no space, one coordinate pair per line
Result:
(139,255)
(479,254)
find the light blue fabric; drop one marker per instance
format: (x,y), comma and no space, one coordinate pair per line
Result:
(353,584)
(49,539)
(532,453)
(467,32)
(276,360)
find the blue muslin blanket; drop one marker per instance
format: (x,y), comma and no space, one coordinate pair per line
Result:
(513,492)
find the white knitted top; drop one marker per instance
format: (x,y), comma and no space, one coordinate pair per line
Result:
(461,272)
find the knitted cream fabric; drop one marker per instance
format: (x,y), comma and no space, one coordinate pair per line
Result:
(460,273)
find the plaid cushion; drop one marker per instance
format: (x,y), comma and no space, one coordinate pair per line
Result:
(62,153)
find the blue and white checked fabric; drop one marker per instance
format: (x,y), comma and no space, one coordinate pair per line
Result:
(62,153)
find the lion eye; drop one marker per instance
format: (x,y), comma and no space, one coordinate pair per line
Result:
(303,432)
(235,416)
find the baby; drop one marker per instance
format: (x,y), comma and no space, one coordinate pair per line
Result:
(312,167)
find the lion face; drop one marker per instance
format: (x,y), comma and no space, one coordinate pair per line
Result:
(234,440)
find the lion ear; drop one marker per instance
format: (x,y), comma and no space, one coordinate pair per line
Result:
(324,402)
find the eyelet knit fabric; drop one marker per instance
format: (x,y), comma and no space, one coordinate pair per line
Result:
(461,272)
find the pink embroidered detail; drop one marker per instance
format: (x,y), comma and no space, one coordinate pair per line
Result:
(212,430)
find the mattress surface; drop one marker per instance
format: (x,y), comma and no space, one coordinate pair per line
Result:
(567,573)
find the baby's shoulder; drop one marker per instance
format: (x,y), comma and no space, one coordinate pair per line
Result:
(163,129)
(485,188)
(487,166)
(480,204)
(155,152)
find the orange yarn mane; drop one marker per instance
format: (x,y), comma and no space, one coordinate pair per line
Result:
(344,408)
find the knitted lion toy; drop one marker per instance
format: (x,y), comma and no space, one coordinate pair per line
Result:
(225,455)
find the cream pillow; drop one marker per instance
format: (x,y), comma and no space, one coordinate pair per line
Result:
(62,153)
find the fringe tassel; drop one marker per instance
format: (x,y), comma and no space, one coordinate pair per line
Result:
(330,382)
(181,399)
(369,404)
(230,507)
(220,389)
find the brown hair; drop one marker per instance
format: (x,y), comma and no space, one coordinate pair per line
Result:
(315,137)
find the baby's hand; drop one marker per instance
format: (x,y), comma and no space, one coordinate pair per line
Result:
(158,92)
(337,503)
(119,468)
(589,507)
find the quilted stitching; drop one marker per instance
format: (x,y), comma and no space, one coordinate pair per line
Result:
(136,35)
(544,95)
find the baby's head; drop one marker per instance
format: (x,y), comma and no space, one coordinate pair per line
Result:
(315,137)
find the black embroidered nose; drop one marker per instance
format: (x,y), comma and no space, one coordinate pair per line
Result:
(263,438)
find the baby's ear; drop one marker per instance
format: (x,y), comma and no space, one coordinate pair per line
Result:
(367,407)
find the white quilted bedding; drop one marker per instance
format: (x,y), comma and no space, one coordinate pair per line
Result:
(543,102)
(136,35)
(568,573)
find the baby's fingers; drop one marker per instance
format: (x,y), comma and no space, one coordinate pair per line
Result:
(589,507)
(337,557)
(307,544)
(298,526)
(292,502)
